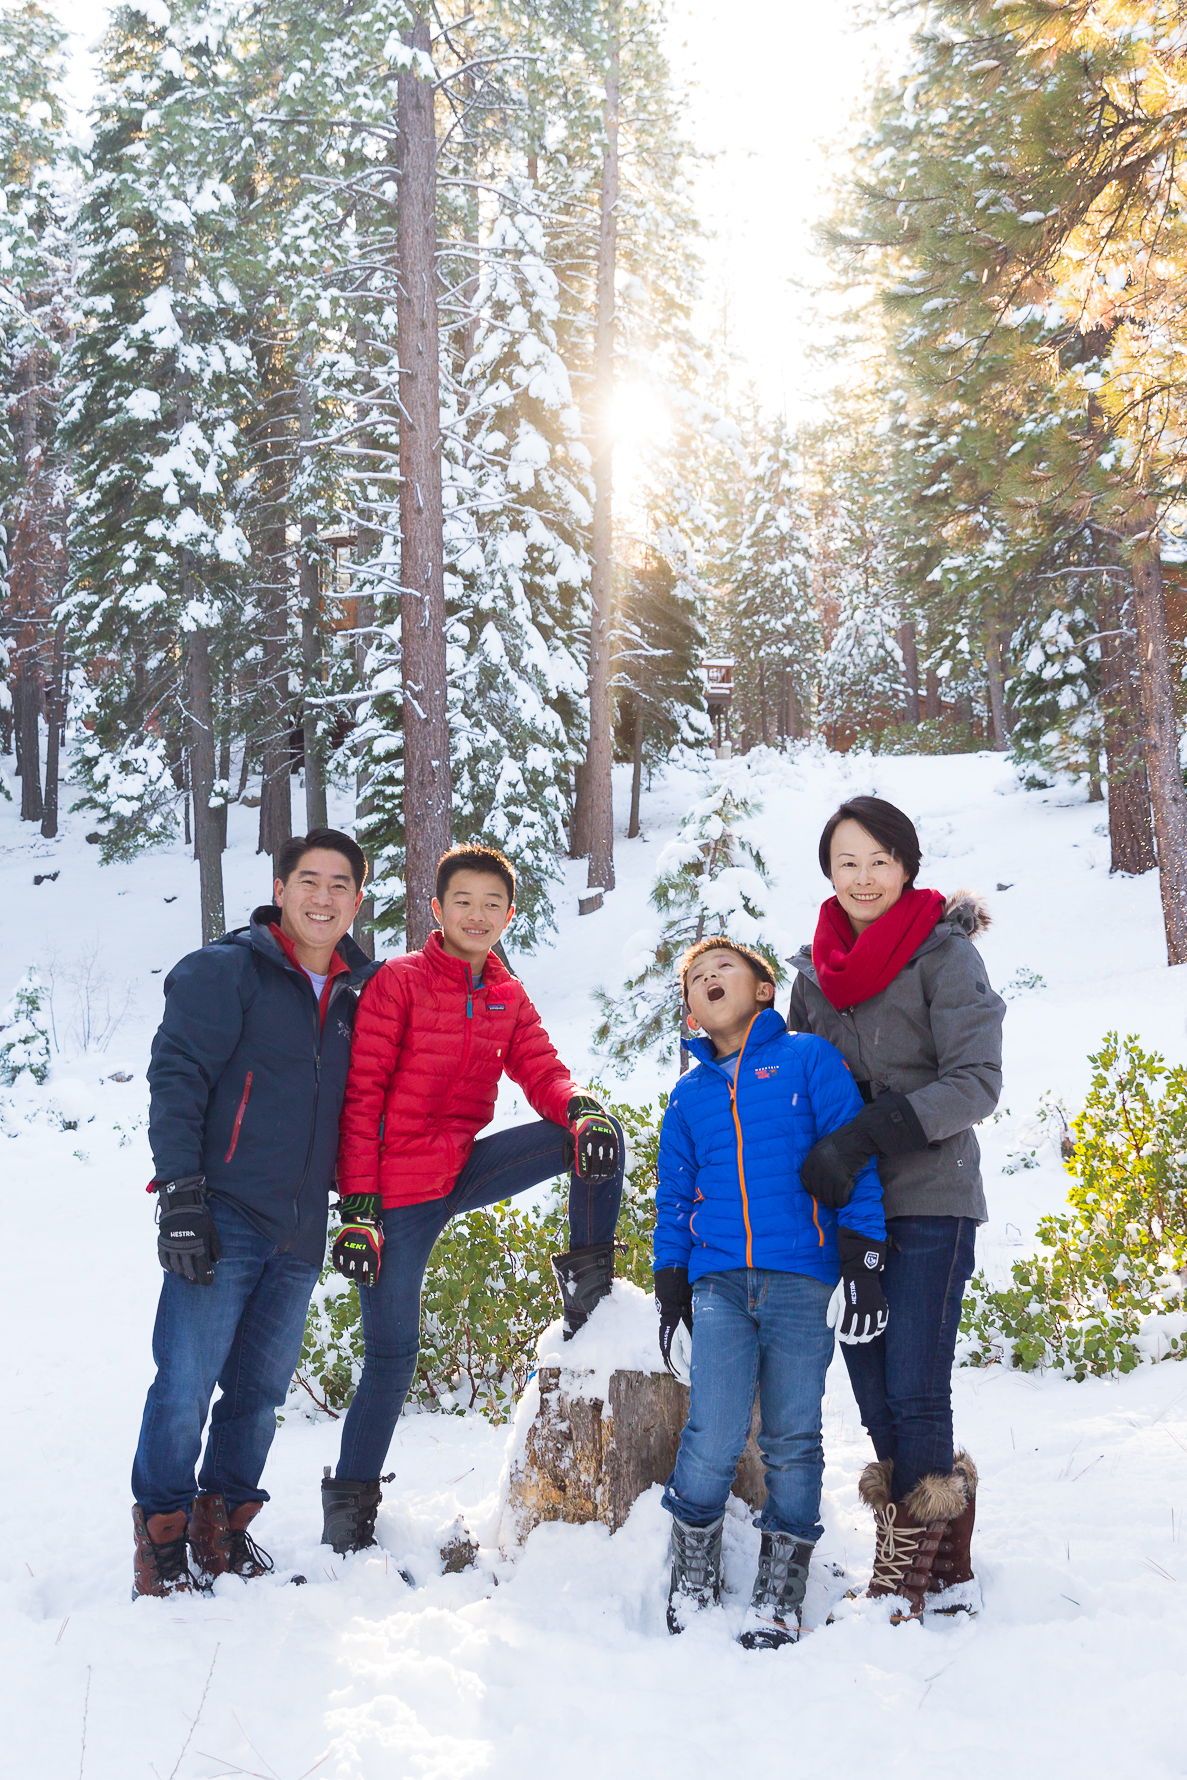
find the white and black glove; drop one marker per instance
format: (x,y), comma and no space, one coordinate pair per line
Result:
(673,1300)
(857,1309)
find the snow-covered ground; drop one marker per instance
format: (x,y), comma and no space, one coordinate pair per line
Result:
(558,1662)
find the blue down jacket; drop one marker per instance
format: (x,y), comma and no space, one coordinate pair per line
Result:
(246,1083)
(730,1151)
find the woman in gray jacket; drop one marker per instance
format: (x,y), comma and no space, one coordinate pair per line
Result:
(893,979)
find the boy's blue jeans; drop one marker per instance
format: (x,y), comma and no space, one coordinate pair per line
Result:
(242,1333)
(509,1162)
(903,1380)
(753,1326)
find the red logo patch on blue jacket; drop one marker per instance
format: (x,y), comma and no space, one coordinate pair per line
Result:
(771,1069)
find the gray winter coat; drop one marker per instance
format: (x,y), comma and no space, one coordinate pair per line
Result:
(935,1034)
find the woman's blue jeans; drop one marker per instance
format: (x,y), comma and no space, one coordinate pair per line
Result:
(242,1333)
(753,1326)
(499,1166)
(903,1381)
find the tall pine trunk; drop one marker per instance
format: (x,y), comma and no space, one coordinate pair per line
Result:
(309,595)
(428,812)
(55,713)
(276,798)
(1168,797)
(366,548)
(910,648)
(1131,837)
(27,707)
(207,825)
(997,690)
(597,785)
(636,771)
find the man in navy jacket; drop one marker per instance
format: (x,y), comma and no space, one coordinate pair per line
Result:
(247,1076)
(749,1261)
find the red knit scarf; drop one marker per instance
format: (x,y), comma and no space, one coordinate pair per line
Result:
(850,970)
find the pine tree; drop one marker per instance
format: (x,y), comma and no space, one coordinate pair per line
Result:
(24,1032)
(712,879)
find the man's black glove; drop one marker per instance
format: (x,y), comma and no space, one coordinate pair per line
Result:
(594,1138)
(187,1240)
(673,1300)
(857,1309)
(888,1127)
(359,1245)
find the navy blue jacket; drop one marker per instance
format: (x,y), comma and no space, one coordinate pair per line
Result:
(246,1084)
(730,1151)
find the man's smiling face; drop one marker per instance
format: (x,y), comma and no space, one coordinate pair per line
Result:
(473,914)
(319,901)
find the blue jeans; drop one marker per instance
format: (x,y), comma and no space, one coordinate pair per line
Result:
(509,1162)
(903,1381)
(242,1333)
(753,1326)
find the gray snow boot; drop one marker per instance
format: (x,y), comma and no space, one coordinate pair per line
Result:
(774,1616)
(349,1508)
(696,1571)
(584,1276)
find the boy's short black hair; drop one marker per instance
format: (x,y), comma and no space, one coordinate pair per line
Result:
(888,825)
(755,960)
(487,859)
(328,840)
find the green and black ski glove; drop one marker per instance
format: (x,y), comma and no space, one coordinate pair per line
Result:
(187,1240)
(595,1138)
(359,1244)
(888,1127)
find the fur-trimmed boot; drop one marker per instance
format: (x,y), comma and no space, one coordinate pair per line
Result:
(161,1563)
(952,1567)
(585,1276)
(696,1571)
(908,1532)
(220,1542)
(779,1587)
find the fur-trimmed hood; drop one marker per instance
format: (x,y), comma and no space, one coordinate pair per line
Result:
(968,911)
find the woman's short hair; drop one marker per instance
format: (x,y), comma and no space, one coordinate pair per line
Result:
(888,825)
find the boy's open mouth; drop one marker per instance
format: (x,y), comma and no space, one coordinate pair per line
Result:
(715,993)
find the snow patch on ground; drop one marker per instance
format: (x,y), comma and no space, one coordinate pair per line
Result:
(558,1662)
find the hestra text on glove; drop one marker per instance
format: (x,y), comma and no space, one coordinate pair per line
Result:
(857,1309)
(187,1240)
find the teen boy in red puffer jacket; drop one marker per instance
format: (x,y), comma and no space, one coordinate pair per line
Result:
(434,1033)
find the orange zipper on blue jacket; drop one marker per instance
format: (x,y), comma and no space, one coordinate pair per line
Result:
(738,1129)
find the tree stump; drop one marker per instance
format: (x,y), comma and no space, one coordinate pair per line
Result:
(584,1459)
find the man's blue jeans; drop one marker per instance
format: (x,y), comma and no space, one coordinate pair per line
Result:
(903,1380)
(242,1333)
(752,1326)
(509,1162)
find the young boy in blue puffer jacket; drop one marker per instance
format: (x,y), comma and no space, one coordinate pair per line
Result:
(749,1262)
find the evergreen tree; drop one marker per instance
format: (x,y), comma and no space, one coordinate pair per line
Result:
(712,879)
(24,1032)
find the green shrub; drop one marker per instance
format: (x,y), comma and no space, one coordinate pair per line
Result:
(1106,1290)
(489,1293)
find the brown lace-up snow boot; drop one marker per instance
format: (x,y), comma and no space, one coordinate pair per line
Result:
(221,1543)
(161,1564)
(908,1532)
(952,1566)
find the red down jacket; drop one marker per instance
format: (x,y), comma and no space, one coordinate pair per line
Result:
(425,1064)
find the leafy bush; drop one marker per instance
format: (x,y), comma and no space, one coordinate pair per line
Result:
(1106,1290)
(489,1293)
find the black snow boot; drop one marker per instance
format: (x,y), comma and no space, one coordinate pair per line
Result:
(584,1276)
(774,1616)
(696,1571)
(348,1512)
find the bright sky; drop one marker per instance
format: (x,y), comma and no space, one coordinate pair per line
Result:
(772,83)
